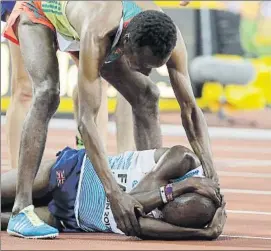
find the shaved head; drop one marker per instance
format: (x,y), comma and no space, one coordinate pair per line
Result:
(189,210)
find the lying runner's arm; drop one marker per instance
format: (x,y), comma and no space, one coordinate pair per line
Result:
(193,119)
(160,230)
(204,186)
(157,229)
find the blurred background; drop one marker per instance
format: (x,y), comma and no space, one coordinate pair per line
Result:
(229,50)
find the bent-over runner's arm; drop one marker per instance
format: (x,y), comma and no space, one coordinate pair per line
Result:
(92,55)
(192,117)
(94,48)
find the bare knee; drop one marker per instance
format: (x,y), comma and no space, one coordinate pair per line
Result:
(24,97)
(180,150)
(21,86)
(22,91)
(46,101)
(82,122)
(188,157)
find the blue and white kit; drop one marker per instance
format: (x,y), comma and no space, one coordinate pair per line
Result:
(79,200)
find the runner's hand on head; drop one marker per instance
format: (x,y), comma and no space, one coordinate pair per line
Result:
(210,172)
(208,188)
(124,208)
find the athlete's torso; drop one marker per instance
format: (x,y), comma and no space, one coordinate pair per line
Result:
(55,11)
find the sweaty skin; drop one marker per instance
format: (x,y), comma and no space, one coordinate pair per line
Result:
(137,88)
(175,162)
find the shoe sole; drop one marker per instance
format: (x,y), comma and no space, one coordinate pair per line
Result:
(48,236)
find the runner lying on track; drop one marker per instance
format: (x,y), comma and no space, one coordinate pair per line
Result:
(122,46)
(159,178)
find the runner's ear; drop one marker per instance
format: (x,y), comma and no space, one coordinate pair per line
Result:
(126,37)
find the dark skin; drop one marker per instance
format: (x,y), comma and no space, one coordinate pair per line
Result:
(176,162)
(135,86)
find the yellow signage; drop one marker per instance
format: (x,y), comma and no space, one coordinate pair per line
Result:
(192,4)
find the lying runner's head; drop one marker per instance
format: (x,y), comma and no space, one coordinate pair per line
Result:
(189,210)
(149,40)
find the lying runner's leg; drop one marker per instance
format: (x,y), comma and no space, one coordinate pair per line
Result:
(40,186)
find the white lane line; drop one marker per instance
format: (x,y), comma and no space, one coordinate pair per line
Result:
(178,130)
(246,237)
(244,174)
(241,149)
(237,162)
(248,212)
(243,191)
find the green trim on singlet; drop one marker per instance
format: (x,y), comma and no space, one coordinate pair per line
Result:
(55,11)
(130,9)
